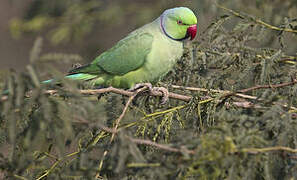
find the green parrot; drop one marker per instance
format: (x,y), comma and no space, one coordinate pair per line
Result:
(144,56)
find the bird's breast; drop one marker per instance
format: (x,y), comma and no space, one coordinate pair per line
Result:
(163,56)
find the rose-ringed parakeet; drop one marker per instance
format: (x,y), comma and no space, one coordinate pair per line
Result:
(145,55)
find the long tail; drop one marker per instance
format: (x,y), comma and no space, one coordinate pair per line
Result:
(78,76)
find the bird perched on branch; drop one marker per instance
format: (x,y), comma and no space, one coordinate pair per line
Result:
(145,55)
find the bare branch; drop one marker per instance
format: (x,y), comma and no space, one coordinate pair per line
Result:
(161,146)
(112,90)
(269,149)
(214,91)
(131,97)
(273,86)
(124,111)
(181,97)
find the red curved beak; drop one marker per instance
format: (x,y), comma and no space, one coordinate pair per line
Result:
(191,31)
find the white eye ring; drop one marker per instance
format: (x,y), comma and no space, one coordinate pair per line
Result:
(179,22)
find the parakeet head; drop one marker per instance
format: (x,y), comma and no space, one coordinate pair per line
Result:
(179,23)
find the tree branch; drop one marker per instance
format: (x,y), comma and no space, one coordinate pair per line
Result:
(125,110)
(269,149)
(241,95)
(226,93)
(256,20)
(273,86)
(112,90)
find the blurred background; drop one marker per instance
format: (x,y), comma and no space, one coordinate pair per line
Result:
(88,27)
(229,53)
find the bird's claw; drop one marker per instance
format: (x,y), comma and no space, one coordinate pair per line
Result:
(165,94)
(153,90)
(139,86)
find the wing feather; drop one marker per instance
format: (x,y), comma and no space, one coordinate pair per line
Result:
(127,55)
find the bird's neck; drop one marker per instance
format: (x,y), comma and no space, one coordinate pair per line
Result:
(163,28)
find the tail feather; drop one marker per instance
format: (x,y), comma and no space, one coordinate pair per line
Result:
(47,81)
(81,76)
(78,76)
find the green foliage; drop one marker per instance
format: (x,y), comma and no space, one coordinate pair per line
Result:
(70,20)
(65,136)
(67,20)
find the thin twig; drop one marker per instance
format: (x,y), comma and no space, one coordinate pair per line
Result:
(256,20)
(131,97)
(141,165)
(272,86)
(268,149)
(48,171)
(240,93)
(214,91)
(19,177)
(161,146)
(124,111)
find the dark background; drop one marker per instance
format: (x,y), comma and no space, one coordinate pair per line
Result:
(122,16)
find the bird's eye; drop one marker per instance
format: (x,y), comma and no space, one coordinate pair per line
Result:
(179,22)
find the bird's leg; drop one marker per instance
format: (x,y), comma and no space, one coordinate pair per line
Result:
(140,85)
(165,93)
(99,95)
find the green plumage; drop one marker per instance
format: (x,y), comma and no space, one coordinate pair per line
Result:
(145,55)
(120,59)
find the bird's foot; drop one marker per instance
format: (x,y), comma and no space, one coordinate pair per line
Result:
(165,94)
(139,86)
(153,90)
